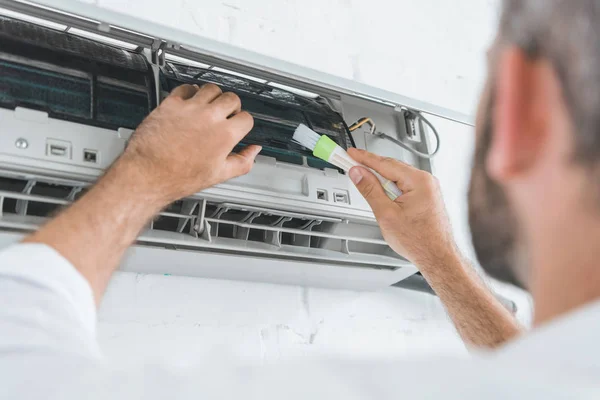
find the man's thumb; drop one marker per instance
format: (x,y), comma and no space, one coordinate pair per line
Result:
(368,185)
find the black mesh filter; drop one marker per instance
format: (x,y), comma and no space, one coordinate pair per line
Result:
(72,78)
(277,113)
(52,91)
(60,42)
(121,106)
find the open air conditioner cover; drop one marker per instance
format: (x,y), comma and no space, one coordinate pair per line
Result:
(292,219)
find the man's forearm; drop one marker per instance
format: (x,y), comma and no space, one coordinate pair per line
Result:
(94,233)
(185,145)
(480,319)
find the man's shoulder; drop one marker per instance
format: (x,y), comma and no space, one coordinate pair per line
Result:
(568,341)
(478,377)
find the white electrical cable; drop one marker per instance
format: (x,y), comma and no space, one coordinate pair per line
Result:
(407,147)
(400,143)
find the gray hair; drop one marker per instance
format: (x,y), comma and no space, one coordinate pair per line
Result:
(567,34)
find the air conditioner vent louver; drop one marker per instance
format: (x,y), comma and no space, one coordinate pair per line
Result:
(197,224)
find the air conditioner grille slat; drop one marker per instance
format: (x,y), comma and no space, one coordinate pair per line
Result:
(232,227)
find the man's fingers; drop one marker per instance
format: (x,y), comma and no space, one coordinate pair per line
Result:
(239,125)
(242,162)
(207,93)
(184,91)
(227,104)
(368,185)
(389,168)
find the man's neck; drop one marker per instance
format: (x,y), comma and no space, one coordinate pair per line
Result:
(565,272)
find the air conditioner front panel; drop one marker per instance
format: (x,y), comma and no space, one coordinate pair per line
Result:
(270,183)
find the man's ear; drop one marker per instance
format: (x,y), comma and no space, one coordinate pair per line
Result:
(516,133)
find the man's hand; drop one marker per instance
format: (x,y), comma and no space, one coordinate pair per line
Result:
(416,226)
(185,144)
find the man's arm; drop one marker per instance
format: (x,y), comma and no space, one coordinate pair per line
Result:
(480,319)
(417,227)
(184,146)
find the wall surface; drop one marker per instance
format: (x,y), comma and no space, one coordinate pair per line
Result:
(432,50)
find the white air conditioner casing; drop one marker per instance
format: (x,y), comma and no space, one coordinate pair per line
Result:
(282,222)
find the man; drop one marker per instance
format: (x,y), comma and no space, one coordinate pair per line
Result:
(534,215)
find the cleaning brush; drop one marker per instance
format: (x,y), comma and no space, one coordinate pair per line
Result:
(328,150)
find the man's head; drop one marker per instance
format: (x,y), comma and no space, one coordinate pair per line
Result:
(538,137)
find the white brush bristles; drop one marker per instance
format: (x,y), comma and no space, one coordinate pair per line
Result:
(306,137)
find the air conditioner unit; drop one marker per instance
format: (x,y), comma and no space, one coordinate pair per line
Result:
(76,80)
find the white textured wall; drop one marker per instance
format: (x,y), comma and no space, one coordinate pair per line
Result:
(428,49)
(182,319)
(432,50)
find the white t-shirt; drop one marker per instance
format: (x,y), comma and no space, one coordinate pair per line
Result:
(48,349)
